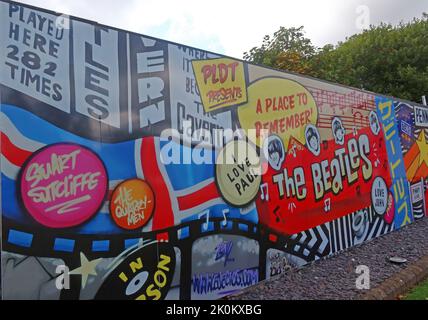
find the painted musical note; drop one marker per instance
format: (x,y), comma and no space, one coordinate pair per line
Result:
(327,205)
(377,163)
(358,119)
(207,214)
(264,188)
(325,144)
(293,150)
(275,212)
(291,207)
(224,222)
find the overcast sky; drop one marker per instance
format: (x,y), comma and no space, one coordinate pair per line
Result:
(233,26)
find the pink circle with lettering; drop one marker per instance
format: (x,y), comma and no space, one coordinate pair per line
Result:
(63,185)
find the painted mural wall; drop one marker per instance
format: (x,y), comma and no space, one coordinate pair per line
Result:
(111,186)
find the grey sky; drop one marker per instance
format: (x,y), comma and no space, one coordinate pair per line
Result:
(234,26)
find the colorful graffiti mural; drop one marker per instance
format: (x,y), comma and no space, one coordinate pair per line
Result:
(119,178)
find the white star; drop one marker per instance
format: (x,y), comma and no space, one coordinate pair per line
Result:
(86,268)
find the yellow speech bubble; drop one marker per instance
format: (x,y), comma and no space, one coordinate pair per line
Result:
(279,105)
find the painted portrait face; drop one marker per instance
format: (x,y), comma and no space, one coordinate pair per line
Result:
(313,143)
(312,139)
(373,120)
(340,134)
(374,123)
(276,152)
(275,157)
(338,131)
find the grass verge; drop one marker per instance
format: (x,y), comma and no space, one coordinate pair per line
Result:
(418,293)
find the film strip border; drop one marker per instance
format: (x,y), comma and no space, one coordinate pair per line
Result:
(38,242)
(308,245)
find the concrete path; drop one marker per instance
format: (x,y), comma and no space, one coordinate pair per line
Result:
(335,277)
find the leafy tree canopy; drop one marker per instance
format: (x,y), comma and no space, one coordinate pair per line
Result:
(392,60)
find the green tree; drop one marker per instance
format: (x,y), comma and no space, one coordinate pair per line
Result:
(384,59)
(288,49)
(392,60)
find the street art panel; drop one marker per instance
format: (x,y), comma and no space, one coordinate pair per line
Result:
(122,174)
(222,265)
(412,123)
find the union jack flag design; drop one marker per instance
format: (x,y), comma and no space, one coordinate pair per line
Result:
(183,192)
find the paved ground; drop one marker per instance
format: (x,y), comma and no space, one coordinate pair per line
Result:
(334,277)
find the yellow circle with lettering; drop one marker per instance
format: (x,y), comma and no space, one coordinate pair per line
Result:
(238,173)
